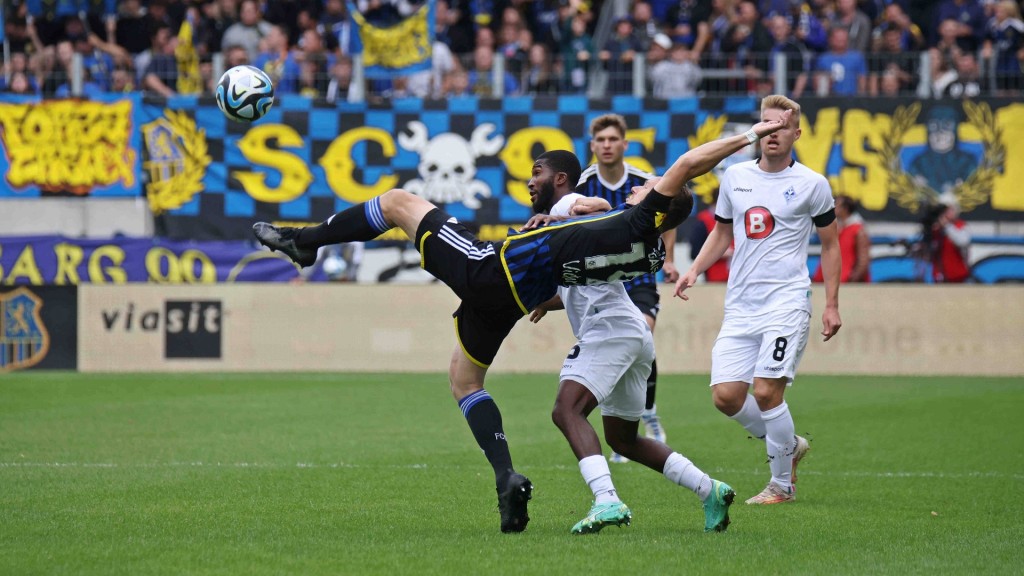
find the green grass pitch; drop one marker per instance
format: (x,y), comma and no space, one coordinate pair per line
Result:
(379,474)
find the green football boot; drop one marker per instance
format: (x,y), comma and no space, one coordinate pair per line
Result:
(716,507)
(601,515)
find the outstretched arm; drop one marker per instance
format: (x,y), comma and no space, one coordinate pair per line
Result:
(703,158)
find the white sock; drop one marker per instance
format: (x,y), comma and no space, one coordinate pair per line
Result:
(597,475)
(750,417)
(680,470)
(781,443)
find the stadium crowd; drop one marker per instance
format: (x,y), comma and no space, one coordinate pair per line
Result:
(955,48)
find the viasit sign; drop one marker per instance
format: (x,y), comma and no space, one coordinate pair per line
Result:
(372,328)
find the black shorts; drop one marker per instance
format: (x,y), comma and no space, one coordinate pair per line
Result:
(473,270)
(646,298)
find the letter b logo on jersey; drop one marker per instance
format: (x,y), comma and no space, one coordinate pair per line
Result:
(758,222)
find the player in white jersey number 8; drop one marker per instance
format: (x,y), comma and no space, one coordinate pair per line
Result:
(768,207)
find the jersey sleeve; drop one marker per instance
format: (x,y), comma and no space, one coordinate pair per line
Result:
(561,208)
(822,201)
(723,210)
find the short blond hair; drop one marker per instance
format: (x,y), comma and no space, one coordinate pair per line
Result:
(608,121)
(780,102)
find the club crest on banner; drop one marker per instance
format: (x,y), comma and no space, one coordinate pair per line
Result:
(24,340)
(177,160)
(447,166)
(943,168)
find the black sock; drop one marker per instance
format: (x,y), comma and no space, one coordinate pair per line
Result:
(484,420)
(652,385)
(360,223)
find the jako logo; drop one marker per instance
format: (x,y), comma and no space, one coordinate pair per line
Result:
(191,327)
(738,189)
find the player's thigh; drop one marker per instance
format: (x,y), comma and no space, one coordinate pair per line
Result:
(734,355)
(598,363)
(783,340)
(629,396)
(404,210)
(481,331)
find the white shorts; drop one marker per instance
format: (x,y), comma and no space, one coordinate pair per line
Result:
(766,346)
(615,370)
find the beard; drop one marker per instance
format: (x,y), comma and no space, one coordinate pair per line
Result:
(545,198)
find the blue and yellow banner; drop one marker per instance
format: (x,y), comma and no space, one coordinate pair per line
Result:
(62,261)
(398,49)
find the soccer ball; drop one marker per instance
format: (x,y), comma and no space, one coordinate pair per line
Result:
(245,93)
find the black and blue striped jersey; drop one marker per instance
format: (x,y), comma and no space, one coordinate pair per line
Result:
(614,247)
(592,184)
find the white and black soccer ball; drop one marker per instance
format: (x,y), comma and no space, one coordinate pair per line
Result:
(245,93)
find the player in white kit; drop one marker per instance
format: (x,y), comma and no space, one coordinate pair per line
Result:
(768,206)
(609,367)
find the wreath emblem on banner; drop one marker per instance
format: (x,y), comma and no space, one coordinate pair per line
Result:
(910,192)
(712,128)
(178,157)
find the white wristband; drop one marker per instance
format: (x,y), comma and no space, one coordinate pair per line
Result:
(751,136)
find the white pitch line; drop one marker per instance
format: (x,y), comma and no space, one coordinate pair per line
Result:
(422,466)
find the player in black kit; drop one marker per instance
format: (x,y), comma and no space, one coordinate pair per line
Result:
(500,282)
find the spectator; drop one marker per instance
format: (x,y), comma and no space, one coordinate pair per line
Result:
(618,55)
(430,83)
(893,17)
(711,32)
(807,26)
(235,56)
(460,26)
(481,77)
(161,74)
(20,84)
(457,83)
(677,77)
(963,81)
(216,16)
(577,48)
(540,76)
(950,45)
(841,72)
(857,24)
(658,51)
(134,27)
(122,79)
(56,66)
(510,48)
(278,61)
(684,19)
(644,26)
(796,55)
(315,64)
(15,26)
(891,58)
(339,89)
(854,243)
(702,226)
(970,21)
(889,84)
(19,66)
(1005,43)
(749,41)
(336,29)
(248,31)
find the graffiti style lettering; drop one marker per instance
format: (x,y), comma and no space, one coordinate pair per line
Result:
(295,174)
(69,257)
(864,176)
(339,166)
(1006,189)
(519,152)
(66,145)
(102,273)
(815,144)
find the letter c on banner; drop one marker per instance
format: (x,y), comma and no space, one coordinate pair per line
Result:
(338,165)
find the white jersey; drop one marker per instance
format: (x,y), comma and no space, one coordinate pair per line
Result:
(771,216)
(602,310)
